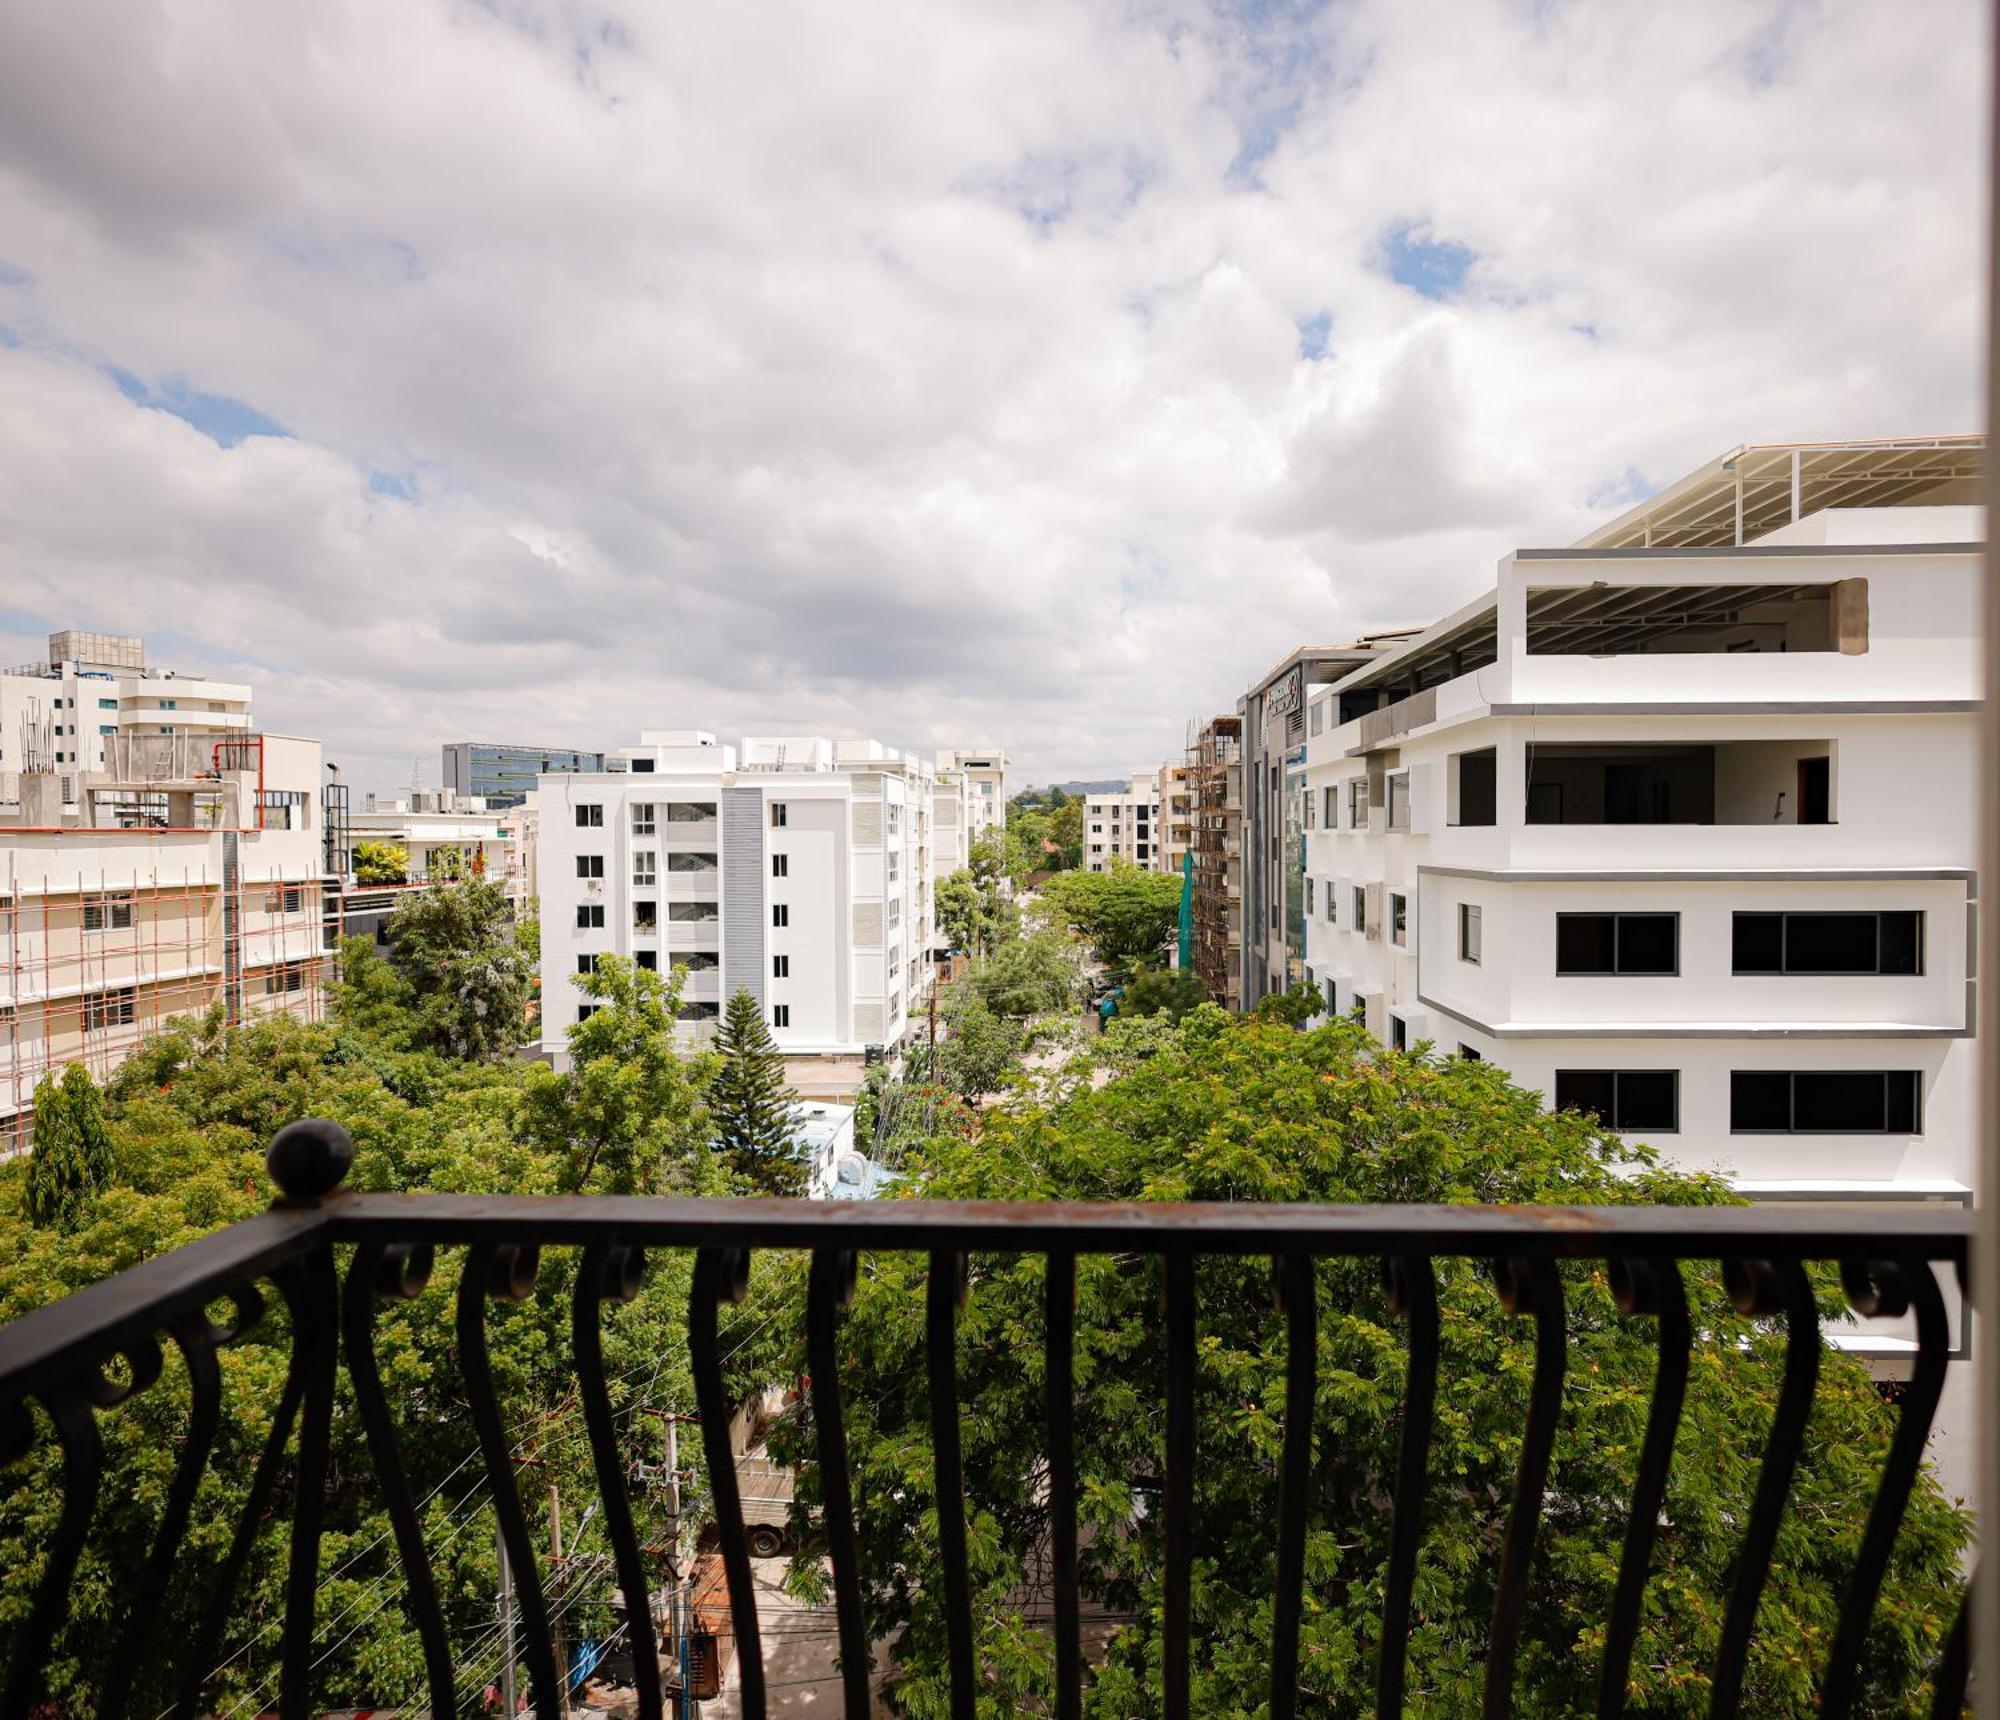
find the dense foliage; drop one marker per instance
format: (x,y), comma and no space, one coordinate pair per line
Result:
(1044,833)
(1224,1108)
(381,863)
(1156,991)
(69,1159)
(1126,914)
(755,1130)
(186,1120)
(457,947)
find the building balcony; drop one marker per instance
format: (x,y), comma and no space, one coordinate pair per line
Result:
(79,1358)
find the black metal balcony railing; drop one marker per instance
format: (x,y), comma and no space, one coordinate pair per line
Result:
(58,1356)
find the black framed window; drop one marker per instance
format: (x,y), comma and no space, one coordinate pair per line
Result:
(1825,1102)
(1618,943)
(1623,1098)
(1828,943)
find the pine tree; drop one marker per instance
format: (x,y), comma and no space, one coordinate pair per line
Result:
(751,1104)
(70,1160)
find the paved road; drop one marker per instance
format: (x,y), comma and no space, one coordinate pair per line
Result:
(799,1647)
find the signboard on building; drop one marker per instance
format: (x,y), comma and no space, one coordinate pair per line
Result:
(1284,698)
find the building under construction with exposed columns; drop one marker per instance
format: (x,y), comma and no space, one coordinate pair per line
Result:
(175,869)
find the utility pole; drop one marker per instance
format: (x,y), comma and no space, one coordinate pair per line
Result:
(676,1635)
(506,1630)
(556,1569)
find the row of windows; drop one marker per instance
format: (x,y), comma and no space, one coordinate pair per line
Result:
(645,866)
(1761,1101)
(590,915)
(645,819)
(1828,944)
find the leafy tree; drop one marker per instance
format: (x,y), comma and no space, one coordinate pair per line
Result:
(1127,914)
(752,1107)
(1032,975)
(70,1162)
(1066,832)
(381,863)
(1236,1108)
(980,1049)
(447,865)
(630,1116)
(1155,991)
(456,947)
(959,911)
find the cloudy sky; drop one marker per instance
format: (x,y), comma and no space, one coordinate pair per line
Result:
(1031,371)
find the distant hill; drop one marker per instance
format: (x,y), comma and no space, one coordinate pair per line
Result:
(1112,785)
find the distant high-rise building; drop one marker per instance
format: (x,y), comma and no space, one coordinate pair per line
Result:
(502,775)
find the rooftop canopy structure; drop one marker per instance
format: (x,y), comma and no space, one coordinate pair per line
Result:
(1751,491)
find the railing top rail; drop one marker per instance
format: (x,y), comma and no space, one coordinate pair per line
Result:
(101,1319)
(1807,1231)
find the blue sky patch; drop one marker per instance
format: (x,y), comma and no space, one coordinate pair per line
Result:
(1627,490)
(13,275)
(403,486)
(1433,267)
(222,420)
(1314,333)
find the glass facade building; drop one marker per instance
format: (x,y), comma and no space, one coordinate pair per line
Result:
(503,775)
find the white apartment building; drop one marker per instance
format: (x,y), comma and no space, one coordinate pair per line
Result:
(799,869)
(1175,836)
(1679,825)
(985,772)
(171,881)
(65,715)
(1124,826)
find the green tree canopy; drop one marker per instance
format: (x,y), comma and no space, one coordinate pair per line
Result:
(1127,914)
(1035,974)
(70,1162)
(381,863)
(1250,1109)
(755,1131)
(630,1116)
(455,946)
(959,911)
(980,1048)
(1155,991)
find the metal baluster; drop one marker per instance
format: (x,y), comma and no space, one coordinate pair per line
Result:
(1645,1287)
(83,1471)
(401,1272)
(493,1270)
(196,1340)
(1887,1289)
(1059,1365)
(723,1275)
(1412,1292)
(1180,1480)
(313,1320)
(1526,1286)
(607,1272)
(209,1633)
(830,1287)
(943,1298)
(1763,1288)
(1298,1299)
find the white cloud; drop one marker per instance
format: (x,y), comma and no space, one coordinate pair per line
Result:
(924,369)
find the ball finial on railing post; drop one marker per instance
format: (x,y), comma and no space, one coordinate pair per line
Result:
(308,1159)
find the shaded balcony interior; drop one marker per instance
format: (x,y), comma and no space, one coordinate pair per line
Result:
(1728,782)
(1603,620)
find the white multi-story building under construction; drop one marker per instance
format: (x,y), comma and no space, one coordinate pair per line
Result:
(170,875)
(799,870)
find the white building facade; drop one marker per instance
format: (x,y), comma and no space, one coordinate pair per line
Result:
(1125,826)
(68,714)
(798,869)
(1679,826)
